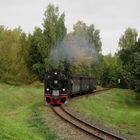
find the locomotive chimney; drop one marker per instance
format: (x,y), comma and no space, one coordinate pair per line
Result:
(66,66)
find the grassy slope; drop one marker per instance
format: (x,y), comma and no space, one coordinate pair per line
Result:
(20,117)
(116,108)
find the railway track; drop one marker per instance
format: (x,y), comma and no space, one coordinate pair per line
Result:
(104,89)
(97,133)
(99,91)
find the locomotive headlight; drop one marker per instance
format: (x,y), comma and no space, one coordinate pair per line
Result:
(55,82)
(55,73)
(63,89)
(47,89)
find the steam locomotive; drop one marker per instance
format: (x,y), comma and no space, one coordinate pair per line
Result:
(60,86)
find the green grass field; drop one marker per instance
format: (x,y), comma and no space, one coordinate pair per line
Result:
(116,108)
(21,115)
(22,112)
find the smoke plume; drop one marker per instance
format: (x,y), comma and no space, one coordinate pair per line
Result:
(74,49)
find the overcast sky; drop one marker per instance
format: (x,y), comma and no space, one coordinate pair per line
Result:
(111,17)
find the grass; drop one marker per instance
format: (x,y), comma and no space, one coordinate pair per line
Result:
(21,117)
(117,108)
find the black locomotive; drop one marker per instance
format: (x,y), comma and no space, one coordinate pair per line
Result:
(60,86)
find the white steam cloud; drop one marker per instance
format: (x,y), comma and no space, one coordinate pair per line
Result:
(75,49)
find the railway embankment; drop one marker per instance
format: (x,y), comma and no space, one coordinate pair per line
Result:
(117,110)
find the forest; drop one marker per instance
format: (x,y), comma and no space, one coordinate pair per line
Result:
(24,58)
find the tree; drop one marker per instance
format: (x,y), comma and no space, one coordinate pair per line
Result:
(129,55)
(54,29)
(128,39)
(42,41)
(111,71)
(130,58)
(90,33)
(12,55)
(97,40)
(35,53)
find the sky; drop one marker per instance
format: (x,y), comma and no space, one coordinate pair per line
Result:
(111,17)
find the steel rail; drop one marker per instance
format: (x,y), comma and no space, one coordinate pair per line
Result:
(97,133)
(84,126)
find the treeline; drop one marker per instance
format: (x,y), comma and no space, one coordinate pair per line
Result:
(42,41)
(13,52)
(123,69)
(24,58)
